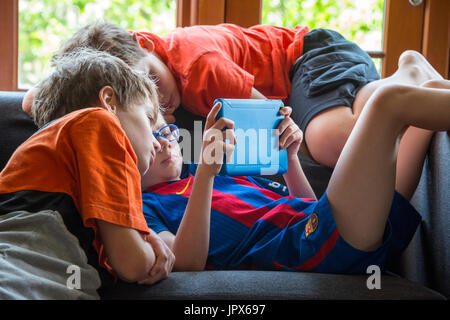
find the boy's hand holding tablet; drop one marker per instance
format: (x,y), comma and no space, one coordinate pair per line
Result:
(291,136)
(264,134)
(218,141)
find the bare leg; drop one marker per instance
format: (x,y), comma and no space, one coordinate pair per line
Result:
(361,188)
(326,134)
(411,157)
(412,151)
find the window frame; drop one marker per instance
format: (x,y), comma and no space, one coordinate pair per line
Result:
(427,30)
(9,35)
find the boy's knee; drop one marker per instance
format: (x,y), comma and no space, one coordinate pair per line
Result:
(387,98)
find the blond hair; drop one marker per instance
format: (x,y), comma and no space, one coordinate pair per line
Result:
(77,79)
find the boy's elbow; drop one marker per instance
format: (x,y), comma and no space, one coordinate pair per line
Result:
(188,265)
(136,268)
(27,101)
(188,268)
(131,275)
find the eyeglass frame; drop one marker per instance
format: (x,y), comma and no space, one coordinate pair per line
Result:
(159,134)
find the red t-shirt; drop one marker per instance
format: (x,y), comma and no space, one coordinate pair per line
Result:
(226,61)
(87,156)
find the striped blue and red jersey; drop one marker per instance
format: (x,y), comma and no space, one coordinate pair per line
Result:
(255,224)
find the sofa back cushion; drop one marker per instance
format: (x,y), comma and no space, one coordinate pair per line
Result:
(15,125)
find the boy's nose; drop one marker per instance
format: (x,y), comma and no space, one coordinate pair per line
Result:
(164,143)
(156,144)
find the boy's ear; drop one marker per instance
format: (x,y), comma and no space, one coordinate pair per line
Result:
(144,41)
(107,98)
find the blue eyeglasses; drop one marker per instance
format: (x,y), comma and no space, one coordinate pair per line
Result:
(169,132)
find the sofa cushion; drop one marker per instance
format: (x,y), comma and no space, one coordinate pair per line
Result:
(270,285)
(15,125)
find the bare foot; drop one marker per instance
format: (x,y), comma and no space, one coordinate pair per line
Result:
(419,68)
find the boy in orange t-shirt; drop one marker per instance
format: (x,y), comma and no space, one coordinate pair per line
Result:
(84,166)
(325,78)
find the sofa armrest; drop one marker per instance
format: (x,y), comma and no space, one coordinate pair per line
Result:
(427,258)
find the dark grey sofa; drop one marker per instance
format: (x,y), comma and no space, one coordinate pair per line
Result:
(421,273)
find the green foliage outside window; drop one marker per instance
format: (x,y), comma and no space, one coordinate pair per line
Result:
(359,21)
(43,24)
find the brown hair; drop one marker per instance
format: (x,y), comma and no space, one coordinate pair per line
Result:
(77,79)
(104,36)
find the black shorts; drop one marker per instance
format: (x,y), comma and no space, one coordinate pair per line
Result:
(329,73)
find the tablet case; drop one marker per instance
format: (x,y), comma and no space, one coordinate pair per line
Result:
(256,151)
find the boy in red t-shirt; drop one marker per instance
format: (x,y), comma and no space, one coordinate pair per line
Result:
(84,165)
(326,79)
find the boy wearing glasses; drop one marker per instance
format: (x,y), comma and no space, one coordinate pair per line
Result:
(220,222)
(168,160)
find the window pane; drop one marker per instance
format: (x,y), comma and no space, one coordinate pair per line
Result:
(378,64)
(43,24)
(360,21)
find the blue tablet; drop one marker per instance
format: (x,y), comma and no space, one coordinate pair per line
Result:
(255,123)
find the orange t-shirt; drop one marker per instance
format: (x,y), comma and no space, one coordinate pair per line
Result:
(86,155)
(226,61)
